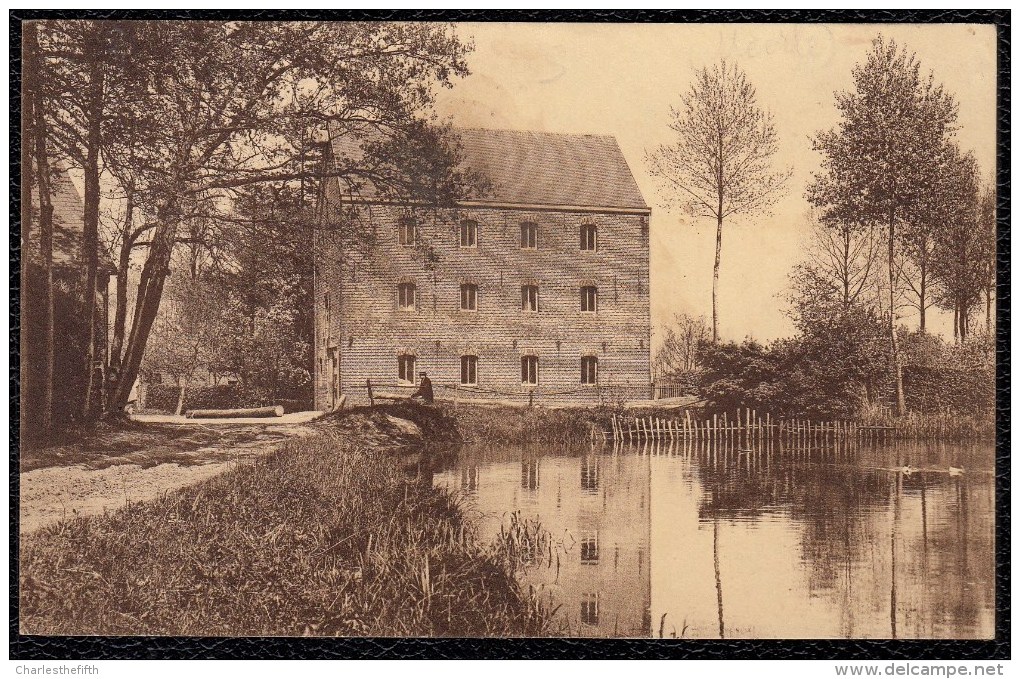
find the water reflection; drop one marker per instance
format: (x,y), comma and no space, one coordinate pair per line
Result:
(702,539)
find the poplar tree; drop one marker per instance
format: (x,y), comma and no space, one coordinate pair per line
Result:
(720,164)
(886,151)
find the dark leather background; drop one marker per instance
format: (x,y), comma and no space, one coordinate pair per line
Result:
(37,647)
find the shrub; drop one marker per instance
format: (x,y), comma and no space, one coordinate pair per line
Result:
(163,397)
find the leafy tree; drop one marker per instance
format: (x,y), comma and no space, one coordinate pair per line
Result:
(186,334)
(227,105)
(94,73)
(36,172)
(988,231)
(720,165)
(886,152)
(960,254)
(267,276)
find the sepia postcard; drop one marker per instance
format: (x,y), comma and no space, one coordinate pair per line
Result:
(666,331)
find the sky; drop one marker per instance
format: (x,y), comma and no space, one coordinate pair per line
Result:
(621,79)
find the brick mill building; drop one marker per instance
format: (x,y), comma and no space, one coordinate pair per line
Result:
(537,292)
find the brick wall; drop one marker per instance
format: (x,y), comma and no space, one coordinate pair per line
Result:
(366,329)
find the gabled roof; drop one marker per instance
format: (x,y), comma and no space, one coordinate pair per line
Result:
(542,168)
(68,223)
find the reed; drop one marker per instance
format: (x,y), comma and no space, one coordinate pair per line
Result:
(938,426)
(326,536)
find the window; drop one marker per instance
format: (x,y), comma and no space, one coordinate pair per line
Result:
(468,297)
(590,548)
(469,370)
(589,370)
(407,232)
(529,236)
(405,368)
(530,474)
(529,369)
(589,298)
(326,328)
(590,609)
(405,296)
(589,475)
(469,478)
(468,234)
(589,237)
(529,298)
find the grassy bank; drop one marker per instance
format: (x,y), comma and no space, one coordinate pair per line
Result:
(327,536)
(506,424)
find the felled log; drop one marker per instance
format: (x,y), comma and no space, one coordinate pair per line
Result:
(268,411)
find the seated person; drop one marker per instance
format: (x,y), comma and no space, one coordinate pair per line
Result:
(424,391)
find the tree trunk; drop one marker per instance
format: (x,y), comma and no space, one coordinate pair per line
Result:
(964,320)
(718,577)
(921,295)
(988,311)
(30,79)
(90,234)
(715,280)
(45,233)
(901,402)
(150,292)
(180,396)
(120,315)
(956,322)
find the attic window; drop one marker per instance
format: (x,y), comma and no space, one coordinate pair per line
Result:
(406,232)
(469,234)
(529,236)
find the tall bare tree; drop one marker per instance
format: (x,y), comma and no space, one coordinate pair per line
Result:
(678,352)
(720,164)
(886,151)
(842,255)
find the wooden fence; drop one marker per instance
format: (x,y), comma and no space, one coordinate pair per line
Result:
(747,426)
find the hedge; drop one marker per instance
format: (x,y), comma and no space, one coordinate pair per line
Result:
(163,397)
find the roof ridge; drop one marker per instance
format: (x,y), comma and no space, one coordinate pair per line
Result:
(543,132)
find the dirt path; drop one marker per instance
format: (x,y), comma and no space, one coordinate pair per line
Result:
(97,484)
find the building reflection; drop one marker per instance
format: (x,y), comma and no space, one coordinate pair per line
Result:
(469,479)
(707,539)
(529,474)
(595,505)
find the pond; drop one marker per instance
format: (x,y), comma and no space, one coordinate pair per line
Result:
(697,539)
